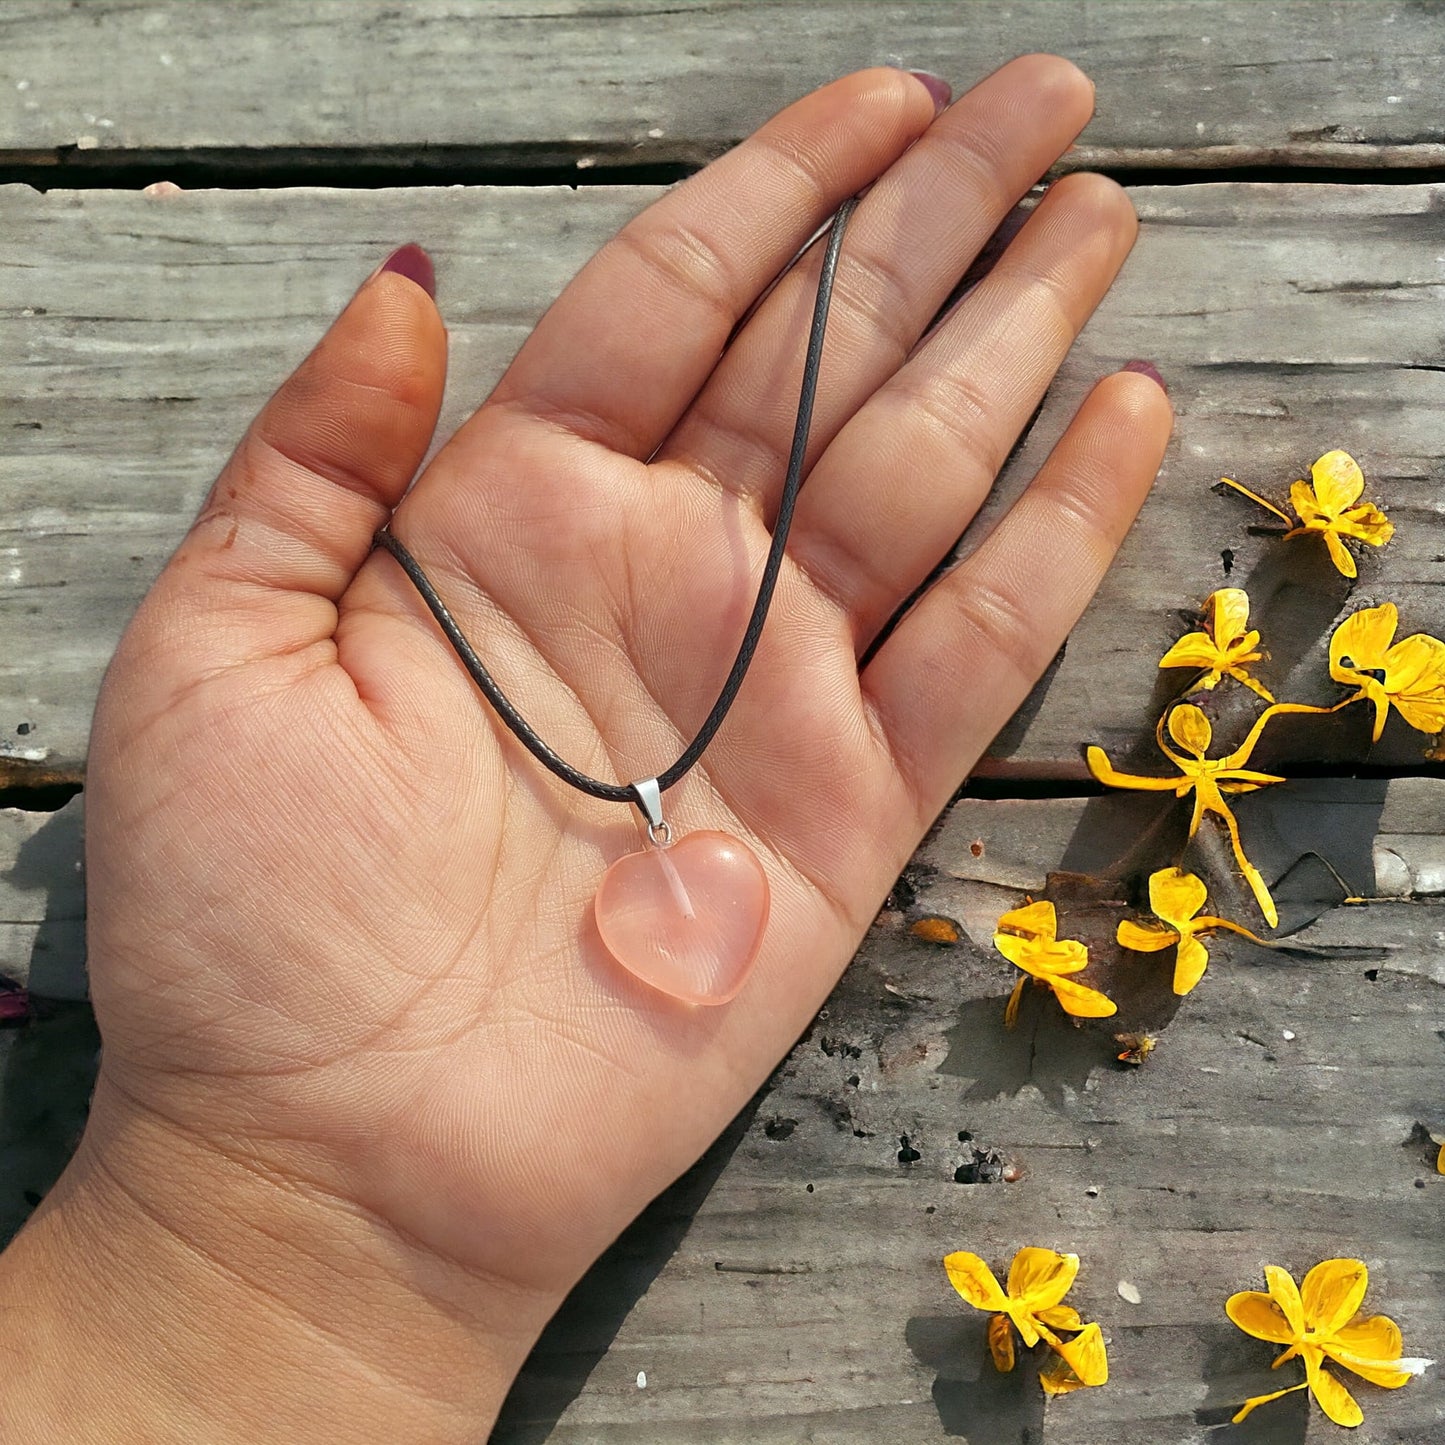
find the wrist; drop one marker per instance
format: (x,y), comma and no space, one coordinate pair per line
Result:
(168,1289)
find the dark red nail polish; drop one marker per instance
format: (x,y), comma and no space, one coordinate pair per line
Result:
(413,263)
(936,86)
(1147,368)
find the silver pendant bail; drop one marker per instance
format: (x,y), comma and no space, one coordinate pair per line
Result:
(648,797)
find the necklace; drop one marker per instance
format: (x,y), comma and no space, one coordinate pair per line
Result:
(686,916)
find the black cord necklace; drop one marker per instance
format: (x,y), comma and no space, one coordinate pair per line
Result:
(710,979)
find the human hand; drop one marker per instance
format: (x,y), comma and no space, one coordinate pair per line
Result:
(370,1082)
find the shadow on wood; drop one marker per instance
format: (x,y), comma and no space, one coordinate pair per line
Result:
(1234,1370)
(974,1401)
(1046,1049)
(582,1331)
(49,1073)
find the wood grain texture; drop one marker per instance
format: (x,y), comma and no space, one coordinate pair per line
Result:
(1282,1119)
(789,1288)
(1183,84)
(142,333)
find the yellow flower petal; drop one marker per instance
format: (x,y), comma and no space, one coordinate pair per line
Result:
(1011,1009)
(1195,649)
(1368,523)
(1360,642)
(1144,937)
(1252,875)
(1040,1278)
(1332,1293)
(1302,498)
(1001,1343)
(1260,1315)
(1387,1375)
(1335,1400)
(1176,896)
(1415,681)
(1190,729)
(1079,1362)
(1082,1002)
(1013,948)
(1060,1317)
(1255,497)
(1033,920)
(1340,556)
(1107,774)
(1042,959)
(975,1281)
(1338,481)
(1256,687)
(1228,612)
(1374,1338)
(1189,964)
(1285,1293)
(1255,1401)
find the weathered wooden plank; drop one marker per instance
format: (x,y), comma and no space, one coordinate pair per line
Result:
(141,333)
(1203,84)
(130,369)
(981,855)
(791,1288)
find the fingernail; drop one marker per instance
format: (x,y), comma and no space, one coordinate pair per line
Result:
(936,86)
(413,263)
(1147,368)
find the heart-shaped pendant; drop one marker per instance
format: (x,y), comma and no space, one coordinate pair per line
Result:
(687,918)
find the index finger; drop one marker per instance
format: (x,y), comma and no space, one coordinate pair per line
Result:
(629,343)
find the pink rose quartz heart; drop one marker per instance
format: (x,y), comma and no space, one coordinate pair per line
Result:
(687,919)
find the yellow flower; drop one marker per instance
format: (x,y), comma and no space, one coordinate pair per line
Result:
(1176,896)
(1225,647)
(1033,1305)
(1027,937)
(1207,778)
(1321,1322)
(1410,674)
(1328,508)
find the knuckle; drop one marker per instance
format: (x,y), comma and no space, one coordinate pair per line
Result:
(799,162)
(682,258)
(957,406)
(873,289)
(1002,621)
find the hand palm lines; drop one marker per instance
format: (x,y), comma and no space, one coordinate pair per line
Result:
(357,864)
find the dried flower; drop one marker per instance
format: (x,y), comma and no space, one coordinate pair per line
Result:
(1328,508)
(1207,778)
(1176,896)
(1321,1322)
(1135,1048)
(934,928)
(1410,674)
(1038,1280)
(1027,937)
(1227,645)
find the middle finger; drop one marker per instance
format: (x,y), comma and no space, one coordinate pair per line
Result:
(914,235)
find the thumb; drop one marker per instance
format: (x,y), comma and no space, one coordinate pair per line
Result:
(291,517)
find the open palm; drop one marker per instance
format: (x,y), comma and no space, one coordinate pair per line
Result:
(342,921)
